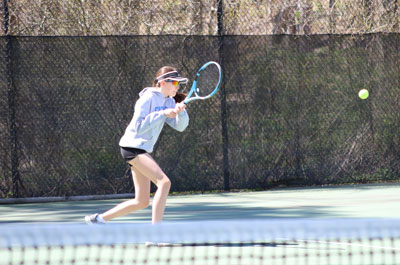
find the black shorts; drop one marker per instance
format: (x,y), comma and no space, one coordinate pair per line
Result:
(129,153)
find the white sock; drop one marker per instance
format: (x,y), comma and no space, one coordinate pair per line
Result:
(100,219)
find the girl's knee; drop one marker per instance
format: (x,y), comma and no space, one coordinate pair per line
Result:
(143,203)
(164,183)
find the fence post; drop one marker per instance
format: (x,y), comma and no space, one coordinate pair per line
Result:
(225,149)
(15,176)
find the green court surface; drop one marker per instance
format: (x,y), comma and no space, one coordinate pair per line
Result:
(374,201)
(355,201)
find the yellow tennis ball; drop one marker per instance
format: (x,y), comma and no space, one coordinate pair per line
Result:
(363,94)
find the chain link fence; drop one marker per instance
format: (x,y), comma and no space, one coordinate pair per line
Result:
(287,114)
(201,17)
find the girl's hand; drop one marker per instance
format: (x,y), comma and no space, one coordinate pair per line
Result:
(179,107)
(170,113)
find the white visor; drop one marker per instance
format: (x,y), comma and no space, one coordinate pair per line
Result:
(174,75)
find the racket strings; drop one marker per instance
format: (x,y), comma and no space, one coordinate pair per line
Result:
(207,81)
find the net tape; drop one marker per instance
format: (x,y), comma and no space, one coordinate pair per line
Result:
(197,232)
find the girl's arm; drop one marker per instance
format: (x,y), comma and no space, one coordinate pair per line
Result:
(181,121)
(144,119)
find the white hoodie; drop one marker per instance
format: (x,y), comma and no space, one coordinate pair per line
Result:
(148,120)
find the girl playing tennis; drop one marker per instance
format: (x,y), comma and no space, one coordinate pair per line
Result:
(157,105)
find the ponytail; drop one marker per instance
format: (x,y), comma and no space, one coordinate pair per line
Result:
(179,97)
(155,82)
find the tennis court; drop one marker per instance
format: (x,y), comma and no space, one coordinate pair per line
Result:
(353,201)
(356,224)
(304,94)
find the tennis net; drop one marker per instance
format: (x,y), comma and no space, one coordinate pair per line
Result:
(276,241)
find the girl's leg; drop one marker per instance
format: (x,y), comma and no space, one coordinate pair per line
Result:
(144,169)
(149,168)
(141,201)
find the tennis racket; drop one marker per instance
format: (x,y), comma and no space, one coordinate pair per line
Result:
(206,83)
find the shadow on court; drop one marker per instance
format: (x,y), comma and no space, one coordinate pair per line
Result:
(232,245)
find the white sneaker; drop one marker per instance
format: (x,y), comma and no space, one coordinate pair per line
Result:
(92,219)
